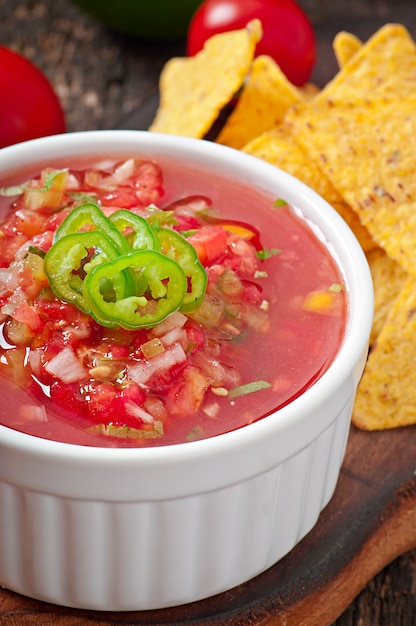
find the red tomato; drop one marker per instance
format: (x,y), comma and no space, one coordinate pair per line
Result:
(29,107)
(288,35)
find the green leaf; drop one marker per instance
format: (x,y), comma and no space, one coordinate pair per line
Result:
(127,432)
(83,198)
(266,254)
(279,202)
(195,434)
(37,251)
(50,177)
(337,287)
(158,218)
(243,390)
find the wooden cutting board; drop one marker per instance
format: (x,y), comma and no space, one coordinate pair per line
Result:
(370,521)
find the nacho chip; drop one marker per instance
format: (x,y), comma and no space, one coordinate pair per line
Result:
(262,104)
(361,129)
(367,148)
(194,90)
(382,65)
(309,91)
(386,396)
(345,45)
(388,280)
(280,148)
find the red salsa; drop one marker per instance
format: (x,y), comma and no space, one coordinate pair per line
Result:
(142,304)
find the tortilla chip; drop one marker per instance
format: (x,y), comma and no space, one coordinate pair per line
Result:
(345,45)
(386,396)
(382,65)
(280,148)
(362,132)
(367,149)
(309,91)
(193,90)
(263,102)
(388,280)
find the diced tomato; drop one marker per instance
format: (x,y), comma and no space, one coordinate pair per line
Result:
(148,182)
(8,248)
(243,257)
(100,398)
(61,312)
(210,243)
(252,293)
(27,314)
(68,396)
(186,222)
(29,222)
(113,351)
(196,337)
(56,219)
(123,198)
(156,407)
(55,344)
(186,396)
(43,241)
(107,404)
(163,380)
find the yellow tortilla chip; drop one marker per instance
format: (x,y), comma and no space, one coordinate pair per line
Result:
(388,280)
(281,149)
(193,90)
(386,395)
(367,149)
(361,129)
(382,65)
(262,104)
(345,45)
(309,91)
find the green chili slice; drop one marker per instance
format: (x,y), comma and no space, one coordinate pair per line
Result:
(135,229)
(72,257)
(89,217)
(160,287)
(174,246)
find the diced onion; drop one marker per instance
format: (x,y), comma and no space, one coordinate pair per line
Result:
(124,171)
(137,411)
(142,371)
(66,366)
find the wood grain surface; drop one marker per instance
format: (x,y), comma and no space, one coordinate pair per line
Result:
(358,565)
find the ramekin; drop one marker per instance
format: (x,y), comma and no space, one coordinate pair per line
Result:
(139,529)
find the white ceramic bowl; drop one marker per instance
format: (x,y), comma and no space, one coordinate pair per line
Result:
(133,529)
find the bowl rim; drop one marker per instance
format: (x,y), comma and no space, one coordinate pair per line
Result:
(335,229)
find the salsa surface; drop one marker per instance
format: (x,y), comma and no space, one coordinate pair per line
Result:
(268,324)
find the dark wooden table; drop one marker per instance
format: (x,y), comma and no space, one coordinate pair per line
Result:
(106,80)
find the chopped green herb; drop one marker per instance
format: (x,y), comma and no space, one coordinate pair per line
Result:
(266,254)
(195,434)
(279,202)
(243,390)
(83,198)
(50,178)
(337,287)
(127,432)
(159,218)
(37,251)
